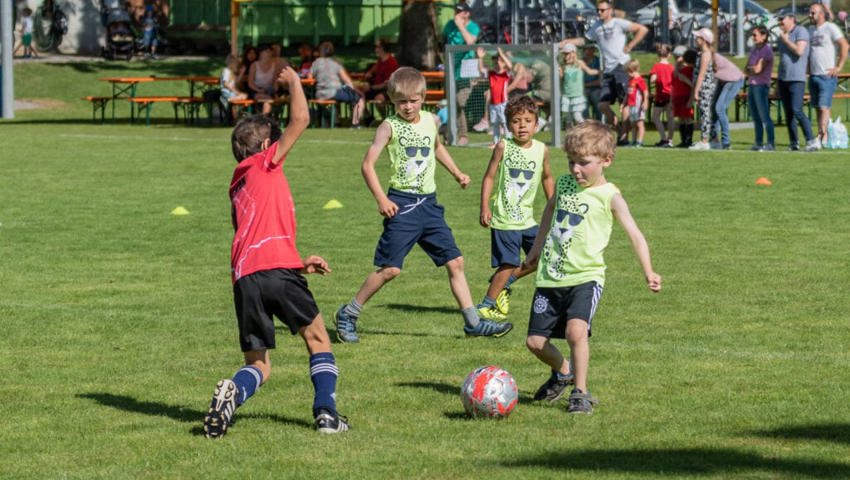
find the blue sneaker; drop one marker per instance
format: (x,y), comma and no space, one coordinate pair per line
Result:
(488,328)
(346,326)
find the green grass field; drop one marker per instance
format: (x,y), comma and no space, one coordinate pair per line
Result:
(118,317)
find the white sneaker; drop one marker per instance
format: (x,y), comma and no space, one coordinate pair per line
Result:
(541,124)
(481,126)
(813,145)
(700,146)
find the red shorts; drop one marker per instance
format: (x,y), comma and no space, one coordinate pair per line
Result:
(682,107)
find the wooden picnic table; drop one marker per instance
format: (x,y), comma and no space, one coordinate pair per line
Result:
(127,87)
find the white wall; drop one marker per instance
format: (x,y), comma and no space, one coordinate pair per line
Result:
(85,29)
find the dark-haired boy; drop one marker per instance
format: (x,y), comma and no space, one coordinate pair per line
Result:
(267,269)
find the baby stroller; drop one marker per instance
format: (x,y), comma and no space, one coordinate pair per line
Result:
(120,38)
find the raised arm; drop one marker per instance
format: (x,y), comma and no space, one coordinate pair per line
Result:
(587,69)
(641,248)
(487,185)
(299,115)
(479,52)
(505,58)
(383,134)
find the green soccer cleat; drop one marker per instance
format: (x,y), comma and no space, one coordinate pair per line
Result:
(491,313)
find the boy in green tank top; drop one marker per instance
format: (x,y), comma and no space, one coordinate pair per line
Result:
(412,214)
(574,232)
(517,167)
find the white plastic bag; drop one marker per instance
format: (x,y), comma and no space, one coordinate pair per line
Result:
(469,68)
(836,134)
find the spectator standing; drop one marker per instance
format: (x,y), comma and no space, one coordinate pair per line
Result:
(730,80)
(573,101)
(683,109)
(661,75)
(791,82)
(611,34)
(823,69)
(26,33)
(499,76)
(333,82)
(637,102)
(704,86)
(759,68)
(149,35)
(592,83)
(461,30)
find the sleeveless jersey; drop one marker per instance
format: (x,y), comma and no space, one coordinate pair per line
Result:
(411,150)
(580,230)
(516,185)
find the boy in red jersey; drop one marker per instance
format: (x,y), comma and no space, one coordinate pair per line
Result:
(637,102)
(267,269)
(499,77)
(662,76)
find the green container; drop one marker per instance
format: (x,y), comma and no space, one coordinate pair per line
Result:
(345,22)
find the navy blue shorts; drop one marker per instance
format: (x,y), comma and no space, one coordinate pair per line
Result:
(506,244)
(553,307)
(419,220)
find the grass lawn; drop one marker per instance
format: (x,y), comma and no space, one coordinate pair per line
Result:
(118,316)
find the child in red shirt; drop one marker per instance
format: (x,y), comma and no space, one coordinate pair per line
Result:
(662,76)
(637,102)
(499,79)
(682,84)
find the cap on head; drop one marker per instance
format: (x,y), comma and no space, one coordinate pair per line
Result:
(705,34)
(568,48)
(462,7)
(680,50)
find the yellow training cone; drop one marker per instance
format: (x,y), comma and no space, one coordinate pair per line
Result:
(332,204)
(764,181)
(180,211)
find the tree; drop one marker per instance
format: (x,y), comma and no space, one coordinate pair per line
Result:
(418,42)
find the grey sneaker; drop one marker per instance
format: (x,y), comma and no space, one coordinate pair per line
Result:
(346,326)
(220,415)
(768,148)
(554,389)
(330,422)
(757,148)
(488,328)
(581,402)
(813,145)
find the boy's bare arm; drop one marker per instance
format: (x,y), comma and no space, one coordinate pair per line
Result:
(546,177)
(487,184)
(641,248)
(533,255)
(587,69)
(299,115)
(446,161)
(382,136)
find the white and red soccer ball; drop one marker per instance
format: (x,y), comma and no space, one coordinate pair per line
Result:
(489,392)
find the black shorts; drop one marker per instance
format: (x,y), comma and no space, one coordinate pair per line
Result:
(661,100)
(552,307)
(615,85)
(279,292)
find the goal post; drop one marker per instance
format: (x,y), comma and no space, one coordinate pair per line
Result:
(540,62)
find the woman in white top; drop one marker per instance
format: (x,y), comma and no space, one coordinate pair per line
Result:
(262,78)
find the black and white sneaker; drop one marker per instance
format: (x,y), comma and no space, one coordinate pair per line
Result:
(330,422)
(220,415)
(554,388)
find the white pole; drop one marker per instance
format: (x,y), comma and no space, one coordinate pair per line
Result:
(739,27)
(7,88)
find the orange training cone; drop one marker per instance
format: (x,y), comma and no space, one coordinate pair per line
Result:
(764,181)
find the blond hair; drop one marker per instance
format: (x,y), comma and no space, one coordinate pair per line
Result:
(406,82)
(633,65)
(591,138)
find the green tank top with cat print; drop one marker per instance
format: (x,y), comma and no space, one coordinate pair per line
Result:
(516,183)
(411,150)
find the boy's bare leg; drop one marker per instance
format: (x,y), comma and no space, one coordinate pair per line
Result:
(547,353)
(457,281)
(500,278)
(671,122)
(316,337)
(579,351)
(656,120)
(260,360)
(374,282)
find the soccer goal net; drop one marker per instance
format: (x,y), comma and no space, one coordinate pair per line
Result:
(467,89)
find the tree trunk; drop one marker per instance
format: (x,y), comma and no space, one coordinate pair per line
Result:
(418,45)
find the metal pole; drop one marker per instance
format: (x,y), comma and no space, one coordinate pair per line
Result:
(7,88)
(739,28)
(664,22)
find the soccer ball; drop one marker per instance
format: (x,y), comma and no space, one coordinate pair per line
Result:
(489,392)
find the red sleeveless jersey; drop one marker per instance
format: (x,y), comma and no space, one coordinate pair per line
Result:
(263,216)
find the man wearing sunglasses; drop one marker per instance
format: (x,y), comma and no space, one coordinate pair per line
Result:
(611,35)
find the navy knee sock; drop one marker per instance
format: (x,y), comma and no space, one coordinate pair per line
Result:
(323,373)
(248,379)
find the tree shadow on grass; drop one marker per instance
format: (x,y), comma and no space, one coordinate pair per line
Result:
(179,412)
(453,390)
(679,462)
(404,307)
(833,432)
